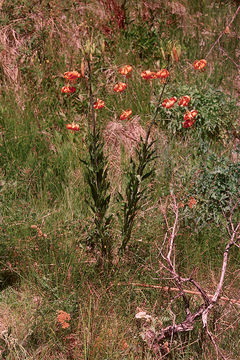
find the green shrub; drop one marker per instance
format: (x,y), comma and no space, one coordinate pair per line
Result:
(216,113)
(216,189)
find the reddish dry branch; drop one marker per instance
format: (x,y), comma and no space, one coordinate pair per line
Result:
(168,289)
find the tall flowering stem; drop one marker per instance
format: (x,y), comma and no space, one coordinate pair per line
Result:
(156,113)
(91,99)
(96,176)
(136,191)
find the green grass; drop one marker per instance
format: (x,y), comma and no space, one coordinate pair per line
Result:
(46,264)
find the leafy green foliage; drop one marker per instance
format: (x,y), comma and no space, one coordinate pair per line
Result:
(96,177)
(216,188)
(145,40)
(135,192)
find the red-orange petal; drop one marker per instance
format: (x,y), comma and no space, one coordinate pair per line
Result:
(125,70)
(125,114)
(72,75)
(68,89)
(120,87)
(99,104)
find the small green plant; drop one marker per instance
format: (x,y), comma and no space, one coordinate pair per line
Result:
(216,188)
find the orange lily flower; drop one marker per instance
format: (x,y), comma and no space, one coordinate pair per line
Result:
(120,87)
(68,89)
(162,74)
(168,103)
(188,123)
(192,202)
(189,118)
(189,115)
(99,104)
(74,127)
(184,101)
(125,114)
(148,75)
(125,70)
(71,75)
(200,64)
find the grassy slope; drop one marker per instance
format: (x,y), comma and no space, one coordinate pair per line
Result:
(42,186)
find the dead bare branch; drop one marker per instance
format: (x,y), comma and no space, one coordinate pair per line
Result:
(167,263)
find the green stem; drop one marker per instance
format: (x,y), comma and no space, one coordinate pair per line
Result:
(157,108)
(91,99)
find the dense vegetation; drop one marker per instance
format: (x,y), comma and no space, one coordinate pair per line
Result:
(100,208)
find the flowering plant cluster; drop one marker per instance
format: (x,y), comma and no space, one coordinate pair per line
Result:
(97,164)
(189,117)
(150,75)
(126,70)
(70,78)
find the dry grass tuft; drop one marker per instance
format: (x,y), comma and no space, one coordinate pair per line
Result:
(4,317)
(128,135)
(10,44)
(119,136)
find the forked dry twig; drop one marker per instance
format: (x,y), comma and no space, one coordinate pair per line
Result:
(167,263)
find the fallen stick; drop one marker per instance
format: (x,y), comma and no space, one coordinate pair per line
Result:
(167,288)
